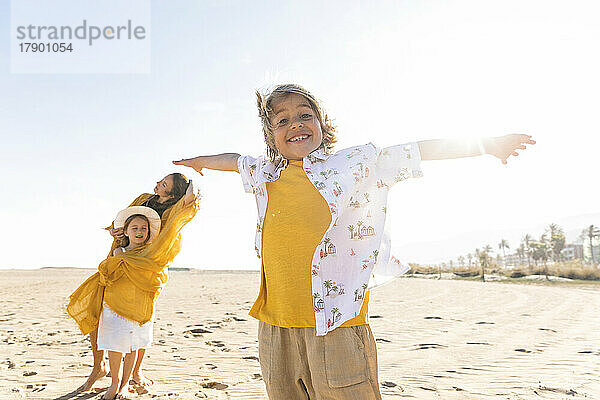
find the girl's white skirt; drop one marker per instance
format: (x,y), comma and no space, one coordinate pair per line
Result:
(116,333)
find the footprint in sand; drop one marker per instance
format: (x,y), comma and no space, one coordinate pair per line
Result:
(214,385)
(475,369)
(425,346)
(569,392)
(547,329)
(523,350)
(433,317)
(388,384)
(210,366)
(484,323)
(250,358)
(481,343)
(38,387)
(197,331)
(381,340)
(29,373)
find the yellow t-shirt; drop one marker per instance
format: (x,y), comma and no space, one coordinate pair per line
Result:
(296,219)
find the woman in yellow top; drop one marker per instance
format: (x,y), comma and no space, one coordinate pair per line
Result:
(136,274)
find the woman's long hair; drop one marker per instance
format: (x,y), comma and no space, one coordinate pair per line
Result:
(180,185)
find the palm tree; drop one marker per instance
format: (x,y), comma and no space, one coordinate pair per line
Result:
(334,311)
(328,284)
(484,259)
(521,253)
(557,241)
(325,241)
(502,246)
(351,229)
(527,239)
(461,261)
(591,232)
(469,257)
(315,303)
(541,251)
(478,257)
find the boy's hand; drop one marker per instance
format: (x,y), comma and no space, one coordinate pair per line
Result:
(506,146)
(190,162)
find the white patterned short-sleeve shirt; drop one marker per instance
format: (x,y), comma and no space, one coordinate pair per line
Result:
(354,253)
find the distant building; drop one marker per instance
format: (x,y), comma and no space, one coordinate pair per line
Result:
(513,260)
(594,250)
(572,252)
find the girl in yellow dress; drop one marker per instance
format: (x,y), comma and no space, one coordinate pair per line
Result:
(138,274)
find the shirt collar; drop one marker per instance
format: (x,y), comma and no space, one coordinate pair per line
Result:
(272,174)
(318,154)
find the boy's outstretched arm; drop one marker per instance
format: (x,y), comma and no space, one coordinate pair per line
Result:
(501,147)
(219,162)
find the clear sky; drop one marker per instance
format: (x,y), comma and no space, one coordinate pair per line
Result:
(77,148)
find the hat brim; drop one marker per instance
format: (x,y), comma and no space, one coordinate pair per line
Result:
(147,212)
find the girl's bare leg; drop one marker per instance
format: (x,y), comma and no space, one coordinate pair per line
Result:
(114,361)
(138,376)
(99,369)
(127,368)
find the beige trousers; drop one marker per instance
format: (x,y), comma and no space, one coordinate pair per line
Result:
(298,365)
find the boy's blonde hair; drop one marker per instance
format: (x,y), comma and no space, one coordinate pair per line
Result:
(265,103)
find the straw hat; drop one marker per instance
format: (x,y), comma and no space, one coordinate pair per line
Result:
(147,212)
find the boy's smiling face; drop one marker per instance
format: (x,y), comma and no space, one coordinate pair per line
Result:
(296,128)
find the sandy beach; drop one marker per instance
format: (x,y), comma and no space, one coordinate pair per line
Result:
(436,339)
